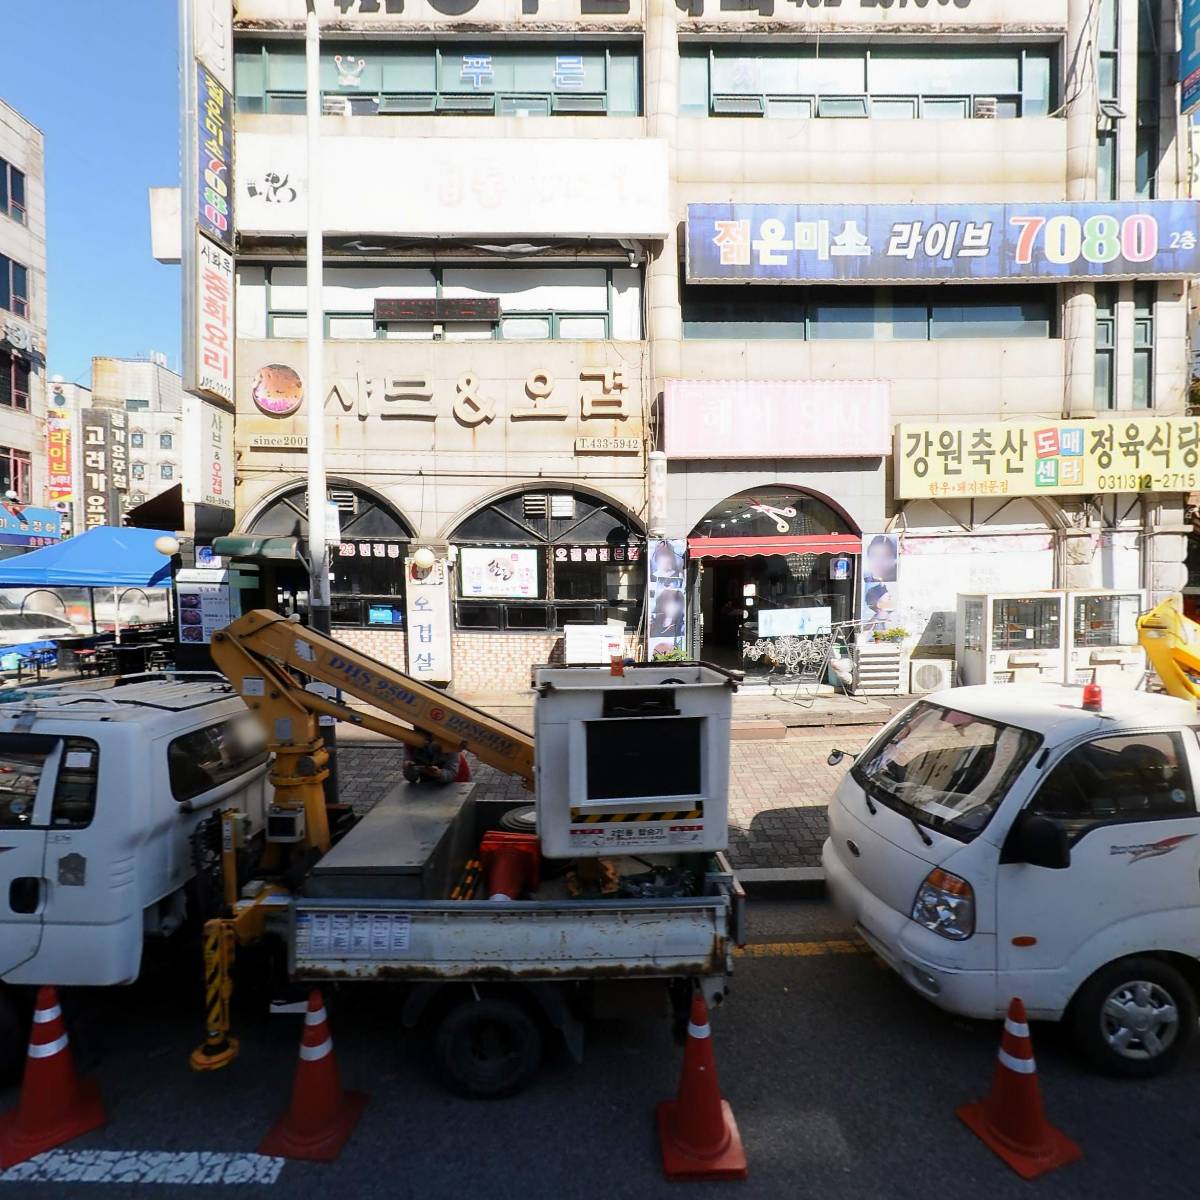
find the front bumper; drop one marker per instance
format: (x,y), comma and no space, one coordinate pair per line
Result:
(919,956)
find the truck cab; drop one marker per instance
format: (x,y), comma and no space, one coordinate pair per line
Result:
(101,790)
(1039,842)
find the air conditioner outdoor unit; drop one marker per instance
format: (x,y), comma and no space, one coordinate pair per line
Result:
(930,675)
(985,108)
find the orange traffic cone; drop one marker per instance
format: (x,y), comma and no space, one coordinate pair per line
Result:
(55,1105)
(698,1134)
(1011,1120)
(464,770)
(321,1117)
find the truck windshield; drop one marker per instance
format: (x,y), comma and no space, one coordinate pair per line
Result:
(944,768)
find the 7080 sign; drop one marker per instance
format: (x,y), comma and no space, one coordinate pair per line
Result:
(1099,239)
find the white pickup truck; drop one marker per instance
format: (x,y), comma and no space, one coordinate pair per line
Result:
(1039,842)
(102,789)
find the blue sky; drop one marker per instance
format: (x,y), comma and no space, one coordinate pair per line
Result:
(100,78)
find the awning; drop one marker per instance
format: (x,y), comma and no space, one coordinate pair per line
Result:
(161,511)
(829,543)
(101,557)
(256,548)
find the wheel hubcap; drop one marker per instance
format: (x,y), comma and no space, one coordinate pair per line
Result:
(1139,1020)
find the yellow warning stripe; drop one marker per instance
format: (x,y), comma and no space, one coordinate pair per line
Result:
(802,949)
(579,817)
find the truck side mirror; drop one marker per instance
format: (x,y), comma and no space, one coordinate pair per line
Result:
(1040,842)
(835,757)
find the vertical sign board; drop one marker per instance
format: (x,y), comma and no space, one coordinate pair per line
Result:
(208,454)
(666,570)
(1189,57)
(60,466)
(212,39)
(214,321)
(214,158)
(105,466)
(427,600)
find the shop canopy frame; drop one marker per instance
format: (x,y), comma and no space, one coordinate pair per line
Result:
(750,547)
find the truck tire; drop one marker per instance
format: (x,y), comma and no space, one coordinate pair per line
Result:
(1135,1017)
(488,1048)
(14,1036)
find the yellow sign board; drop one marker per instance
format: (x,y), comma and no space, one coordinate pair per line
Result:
(1048,458)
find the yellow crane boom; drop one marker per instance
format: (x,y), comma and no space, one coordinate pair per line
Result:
(1172,644)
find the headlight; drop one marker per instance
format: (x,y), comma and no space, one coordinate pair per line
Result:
(946,904)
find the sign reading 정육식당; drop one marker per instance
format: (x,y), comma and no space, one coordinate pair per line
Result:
(865,243)
(1189,57)
(214,158)
(1032,458)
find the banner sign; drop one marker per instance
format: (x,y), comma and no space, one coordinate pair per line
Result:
(1033,458)
(427,600)
(667,568)
(208,454)
(883,243)
(21,525)
(880,580)
(214,321)
(214,160)
(499,571)
(1189,57)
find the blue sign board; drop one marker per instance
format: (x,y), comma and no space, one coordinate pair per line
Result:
(882,243)
(1189,57)
(21,525)
(214,161)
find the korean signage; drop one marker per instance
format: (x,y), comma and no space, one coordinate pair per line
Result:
(104,434)
(499,571)
(748,419)
(597,554)
(214,321)
(1032,458)
(60,465)
(427,599)
(214,158)
(365,13)
(667,570)
(204,604)
(212,40)
(879,243)
(208,451)
(21,525)
(1189,57)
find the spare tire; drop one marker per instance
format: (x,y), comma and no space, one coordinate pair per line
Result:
(488,1048)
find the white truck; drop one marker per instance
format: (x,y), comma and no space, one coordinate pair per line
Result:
(1039,842)
(102,791)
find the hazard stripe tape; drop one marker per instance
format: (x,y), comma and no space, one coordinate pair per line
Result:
(47,1049)
(578,817)
(1016,1028)
(699,1031)
(45,1015)
(312,1053)
(132,1167)
(315,1018)
(1022,1066)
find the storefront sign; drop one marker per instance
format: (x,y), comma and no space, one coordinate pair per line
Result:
(880,580)
(499,572)
(1189,58)
(203,598)
(214,321)
(666,566)
(278,441)
(427,599)
(60,466)
(393,12)
(208,451)
(1032,458)
(214,158)
(438,310)
(105,466)
(17,335)
(879,243)
(458,187)
(277,391)
(21,525)
(597,554)
(779,419)
(212,41)
(594,445)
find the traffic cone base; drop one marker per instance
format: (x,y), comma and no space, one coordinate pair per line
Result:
(1056,1150)
(18,1144)
(286,1142)
(683,1165)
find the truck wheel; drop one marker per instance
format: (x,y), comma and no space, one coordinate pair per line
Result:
(14,1036)
(488,1048)
(1135,1017)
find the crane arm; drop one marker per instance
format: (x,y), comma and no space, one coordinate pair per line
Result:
(1172,643)
(258,652)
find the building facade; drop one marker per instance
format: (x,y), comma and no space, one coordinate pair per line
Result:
(22,308)
(775,242)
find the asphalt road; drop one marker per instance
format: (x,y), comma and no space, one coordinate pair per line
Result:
(843,1082)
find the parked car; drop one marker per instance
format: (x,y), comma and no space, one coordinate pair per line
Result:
(17,628)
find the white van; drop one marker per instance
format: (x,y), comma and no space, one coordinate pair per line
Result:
(101,790)
(1006,841)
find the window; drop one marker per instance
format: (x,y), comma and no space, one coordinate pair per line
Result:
(913,81)
(206,758)
(14,381)
(1149,89)
(1106,165)
(12,192)
(973,625)
(885,314)
(166,471)
(139,470)
(1026,625)
(165,441)
(1108,49)
(1108,781)
(24,759)
(1144,296)
(540,560)
(137,441)
(14,287)
(536,303)
(1104,392)
(137,405)
(403,79)
(15,471)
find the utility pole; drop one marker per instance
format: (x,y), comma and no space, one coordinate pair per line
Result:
(318,551)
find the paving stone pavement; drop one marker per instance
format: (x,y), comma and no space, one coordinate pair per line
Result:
(778,793)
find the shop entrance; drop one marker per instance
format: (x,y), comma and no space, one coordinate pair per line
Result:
(778,568)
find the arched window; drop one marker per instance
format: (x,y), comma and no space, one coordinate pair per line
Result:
(367,562)
(774,512)
(540,559)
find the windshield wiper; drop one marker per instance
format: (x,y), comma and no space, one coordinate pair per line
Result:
(920,830)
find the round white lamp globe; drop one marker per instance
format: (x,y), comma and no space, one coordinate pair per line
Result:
(424,559)
(167,545)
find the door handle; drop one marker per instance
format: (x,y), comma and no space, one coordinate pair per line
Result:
(25,894)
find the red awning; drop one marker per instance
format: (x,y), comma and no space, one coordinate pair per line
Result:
(830,543)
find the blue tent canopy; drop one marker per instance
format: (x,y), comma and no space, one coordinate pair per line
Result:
(102,557)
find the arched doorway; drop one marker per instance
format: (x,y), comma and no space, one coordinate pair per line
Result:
(775,562)
(366,563)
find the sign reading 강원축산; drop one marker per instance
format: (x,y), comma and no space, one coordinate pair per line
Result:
(1032,458)
(875,243)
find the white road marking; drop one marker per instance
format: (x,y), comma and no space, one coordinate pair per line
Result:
(145,1166)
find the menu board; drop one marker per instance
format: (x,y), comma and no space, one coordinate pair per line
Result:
(203,605)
